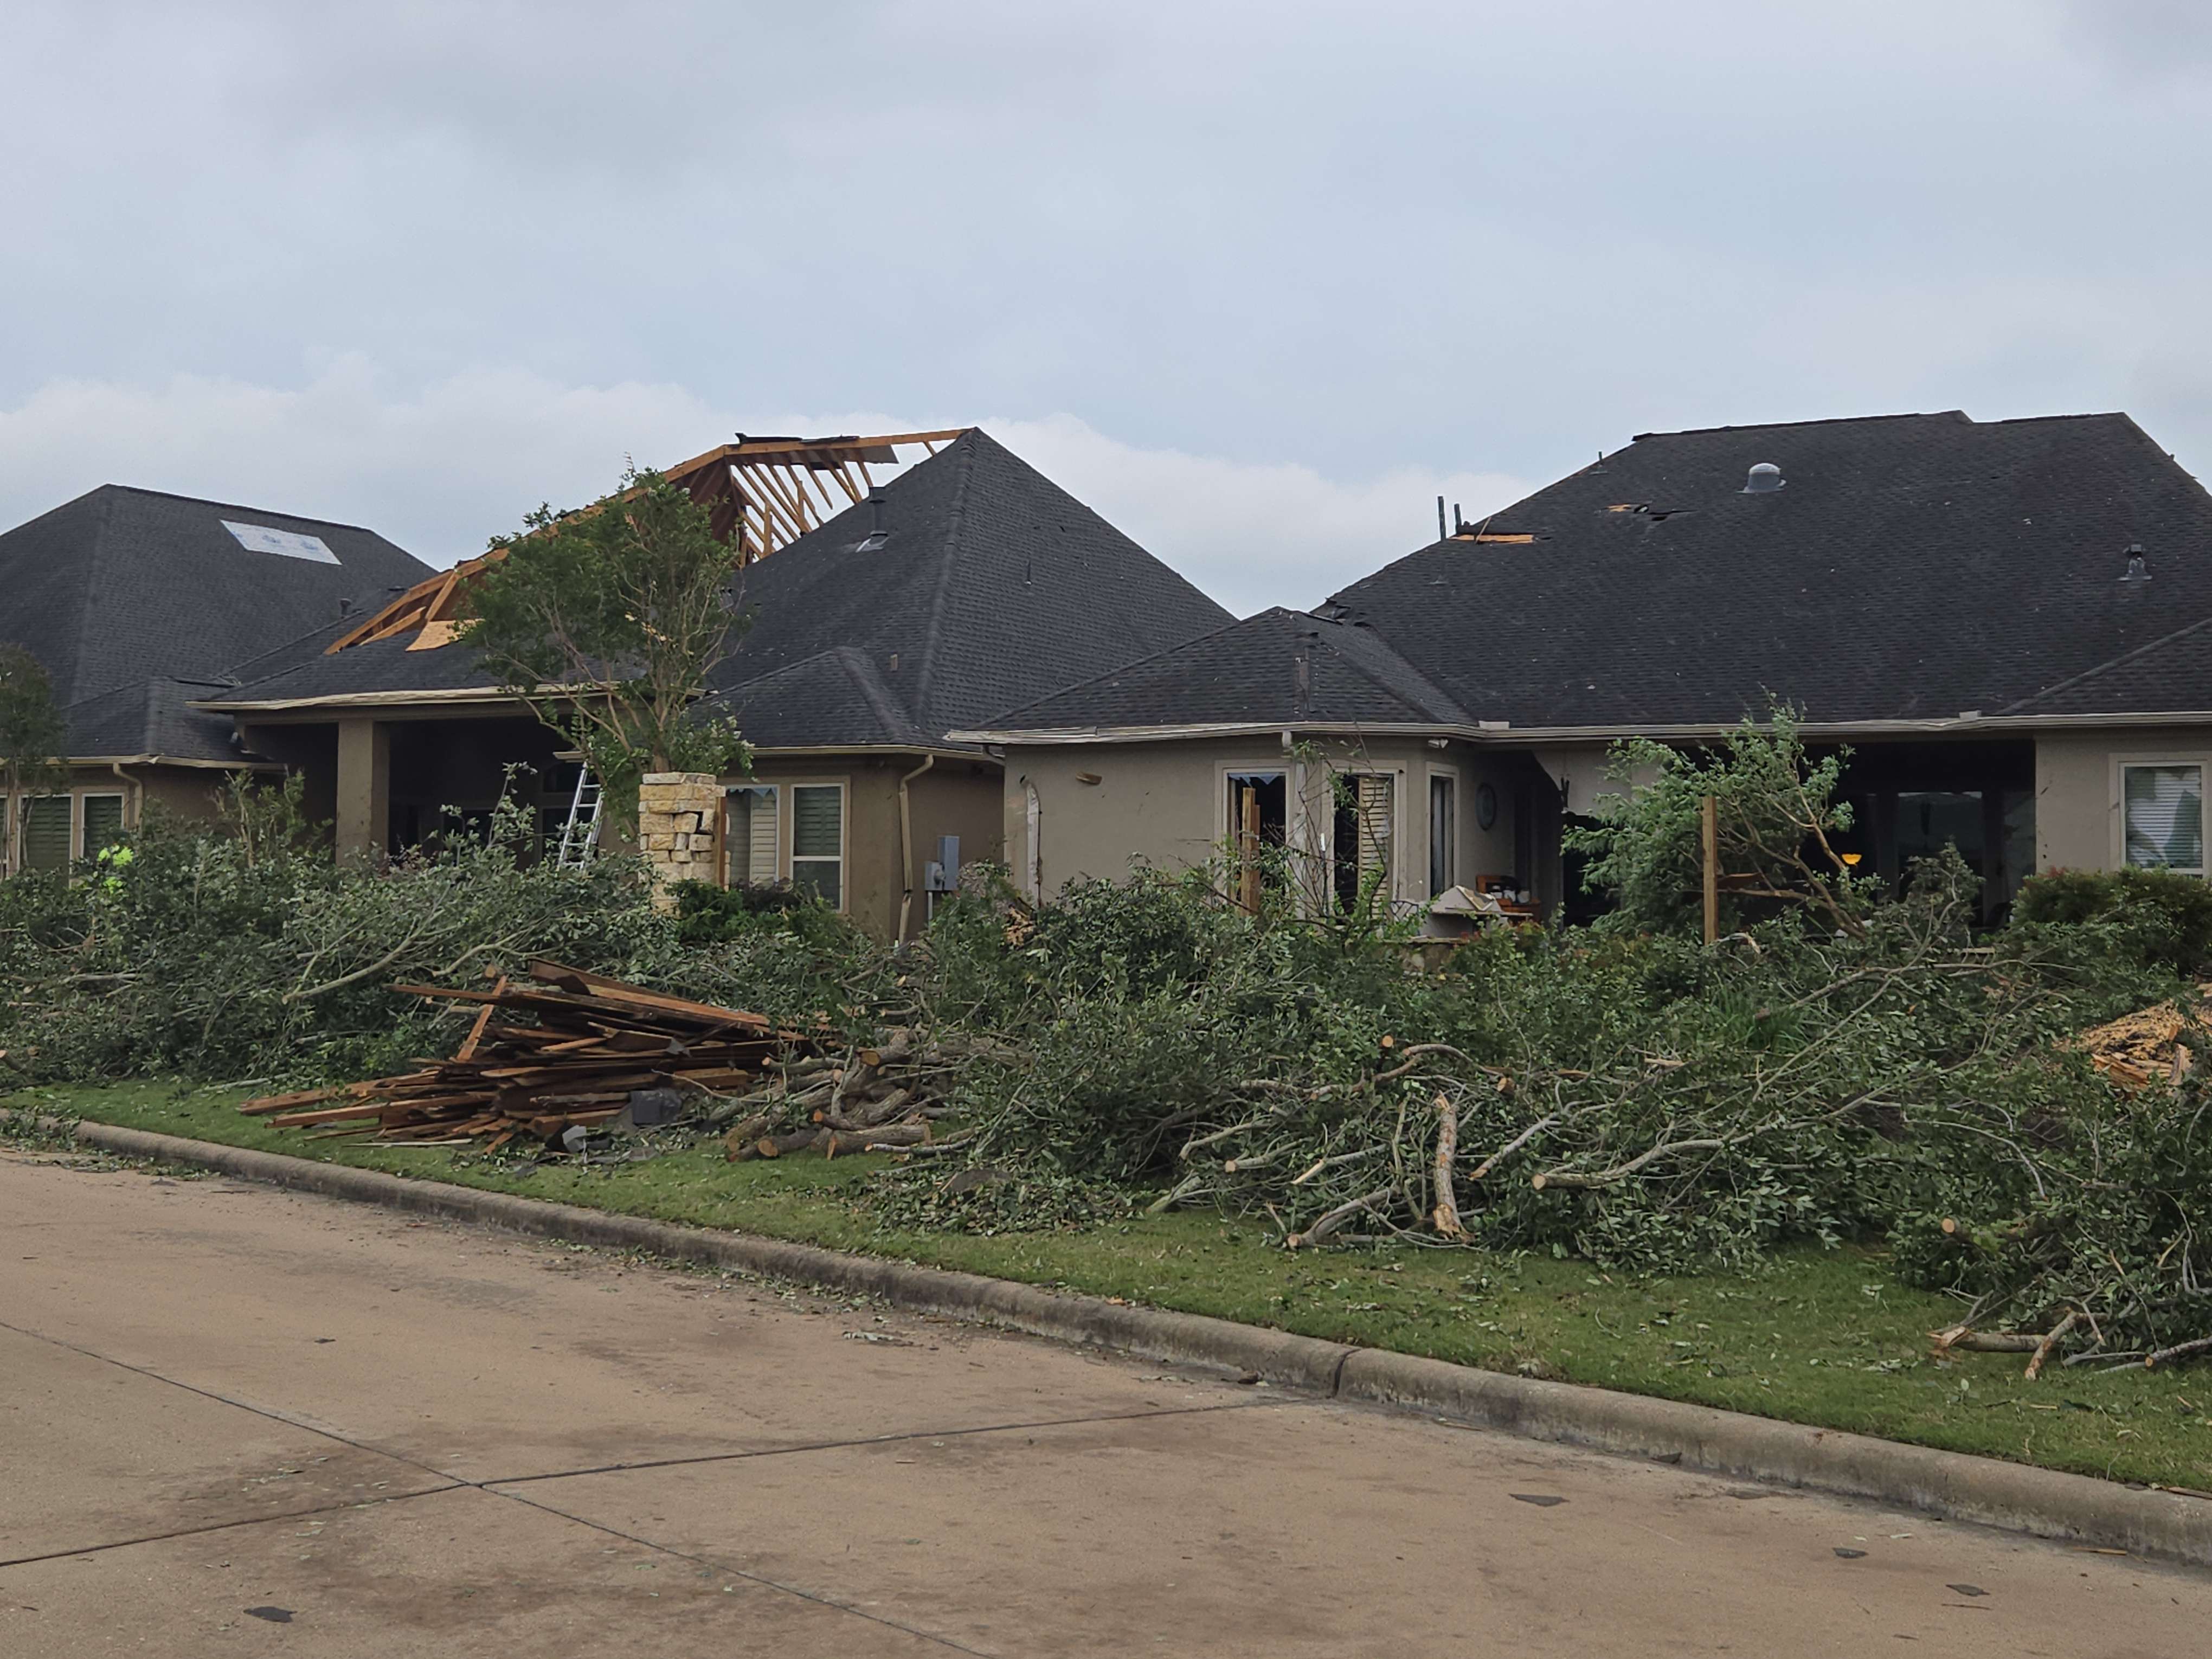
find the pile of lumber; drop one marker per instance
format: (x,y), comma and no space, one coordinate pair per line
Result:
(2148,1043)
(563,1048)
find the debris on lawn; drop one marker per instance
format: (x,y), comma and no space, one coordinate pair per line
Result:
(870,1099)
(2136,1048)
(594,1050)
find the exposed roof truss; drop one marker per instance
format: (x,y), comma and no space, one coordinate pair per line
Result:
(762,494)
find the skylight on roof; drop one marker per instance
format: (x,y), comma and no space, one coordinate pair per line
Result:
(261,538)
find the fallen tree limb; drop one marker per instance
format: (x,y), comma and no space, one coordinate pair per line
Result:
(1325,1225)
(1446,1214)
(2050,1340)
(2179,1351)
(1576,1181)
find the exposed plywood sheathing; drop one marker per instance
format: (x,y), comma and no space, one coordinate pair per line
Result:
(761,494)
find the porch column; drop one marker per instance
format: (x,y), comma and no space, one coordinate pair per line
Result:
(364,803)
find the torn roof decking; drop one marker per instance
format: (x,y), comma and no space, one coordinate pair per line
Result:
(762,494)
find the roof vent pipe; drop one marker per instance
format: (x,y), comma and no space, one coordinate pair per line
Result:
(1764,478)
(877,535)
(2137,571)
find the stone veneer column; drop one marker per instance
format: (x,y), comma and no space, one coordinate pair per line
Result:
(679,823)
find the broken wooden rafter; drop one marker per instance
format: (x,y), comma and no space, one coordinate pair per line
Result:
(759,497)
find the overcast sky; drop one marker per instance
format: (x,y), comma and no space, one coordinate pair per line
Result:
(1256,280)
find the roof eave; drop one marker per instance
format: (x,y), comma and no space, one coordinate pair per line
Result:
(1041,736)
(952,748)
(241,765)
(1496,734)
(342,700)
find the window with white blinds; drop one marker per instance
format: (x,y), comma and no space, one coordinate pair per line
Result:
(749,837)
(1363,834)
(818,840)
(2164,811)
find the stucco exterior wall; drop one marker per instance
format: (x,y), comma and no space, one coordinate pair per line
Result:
(188,793)
(953,798)
(1098,805)
(2077,788)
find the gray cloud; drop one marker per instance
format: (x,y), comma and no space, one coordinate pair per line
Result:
(1372,249)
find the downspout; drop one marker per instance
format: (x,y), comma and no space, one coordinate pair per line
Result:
(1033,857)
(905,845)
(134,791)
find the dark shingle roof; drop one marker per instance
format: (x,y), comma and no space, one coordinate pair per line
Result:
(1911,566)
(2169,676)
(994,586)
(833,701)
(152,717)
(1278,668)
(121,585)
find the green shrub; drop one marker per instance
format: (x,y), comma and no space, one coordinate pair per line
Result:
(707,914)
(2156,917)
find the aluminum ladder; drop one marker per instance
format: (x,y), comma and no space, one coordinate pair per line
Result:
(579,836)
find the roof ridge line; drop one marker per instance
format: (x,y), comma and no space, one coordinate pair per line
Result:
(285,645)
(2073,680)
(90,588)
(878,695)
(242,506)
(933,632)
(1374,636)
(1152,657)
(1823,420)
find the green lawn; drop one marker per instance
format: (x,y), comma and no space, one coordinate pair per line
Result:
(1829,1339)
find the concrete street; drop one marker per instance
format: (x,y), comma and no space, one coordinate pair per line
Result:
(235,1421)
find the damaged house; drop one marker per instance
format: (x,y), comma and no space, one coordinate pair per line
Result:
(2008,623)
(882,619)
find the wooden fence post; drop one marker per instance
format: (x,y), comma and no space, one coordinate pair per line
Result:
(1709,838)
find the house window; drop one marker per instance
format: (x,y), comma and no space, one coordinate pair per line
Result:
(1443,832)
(46,827)
(818,840)
(1259,816)
(2164,813)
(103,823)
(749,837)
(1361,838)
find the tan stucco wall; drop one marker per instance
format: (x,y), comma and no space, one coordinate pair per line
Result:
(1167,804)
(953,798)
(1580,771)
(2077,803)
(187,794)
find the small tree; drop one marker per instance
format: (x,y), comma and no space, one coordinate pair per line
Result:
(608,623)
(1777,811)
(34,737)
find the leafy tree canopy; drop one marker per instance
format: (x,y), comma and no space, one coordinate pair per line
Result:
(34,737)
(608,622)
(1776,810)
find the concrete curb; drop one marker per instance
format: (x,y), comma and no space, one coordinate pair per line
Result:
(2073,1508)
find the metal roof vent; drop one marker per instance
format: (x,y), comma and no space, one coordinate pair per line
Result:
(1764,478)
(2137,572)
(877,535)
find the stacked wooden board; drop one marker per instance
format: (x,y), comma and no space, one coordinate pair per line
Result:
(563,1048)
